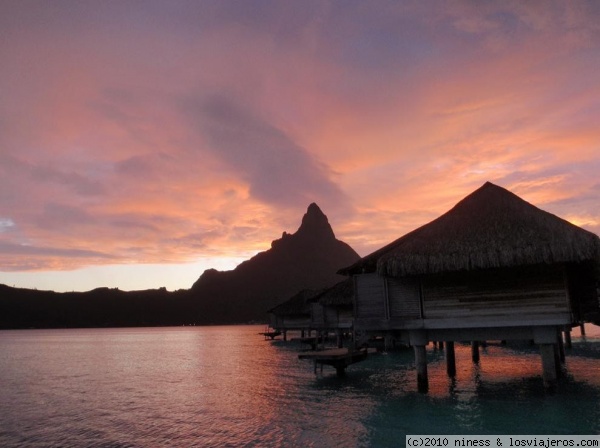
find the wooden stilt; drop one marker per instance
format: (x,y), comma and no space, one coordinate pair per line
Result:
(557,362)
(582,326)
(387,344)
(561,347)
(421,364)
(475,351)
(450,359)
(548,366)
(285,335)
(568,342)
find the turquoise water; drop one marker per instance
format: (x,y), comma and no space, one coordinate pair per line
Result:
(226,386)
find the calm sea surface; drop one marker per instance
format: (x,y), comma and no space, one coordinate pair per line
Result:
(226,386)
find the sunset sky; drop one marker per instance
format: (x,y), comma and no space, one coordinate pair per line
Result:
(142,142)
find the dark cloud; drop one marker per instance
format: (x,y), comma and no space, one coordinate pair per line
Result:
(44,173)
(9,248)
(61,217)
(278,170)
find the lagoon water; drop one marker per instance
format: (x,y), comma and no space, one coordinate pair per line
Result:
(226,386)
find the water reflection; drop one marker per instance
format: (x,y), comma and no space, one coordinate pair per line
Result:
(226,386)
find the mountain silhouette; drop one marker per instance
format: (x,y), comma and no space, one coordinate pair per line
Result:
(308,258)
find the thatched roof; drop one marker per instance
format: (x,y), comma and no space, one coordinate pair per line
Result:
(340,294)
(298,304)
(490,228)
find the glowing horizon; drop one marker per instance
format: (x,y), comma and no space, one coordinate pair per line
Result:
(138,145)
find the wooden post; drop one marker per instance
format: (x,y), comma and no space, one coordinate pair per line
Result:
(340,341)
(561,347)
(387,342)
(421,364)
(450,359)
(441,343)
(557,360)
(568,342)
(302,333)
(548,366)
(475,351)
(582,326)
(285,335)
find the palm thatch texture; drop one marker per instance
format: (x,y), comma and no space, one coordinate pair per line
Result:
(340,294)
(297,305)
(490,228)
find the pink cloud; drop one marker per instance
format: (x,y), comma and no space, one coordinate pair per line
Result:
(193,130)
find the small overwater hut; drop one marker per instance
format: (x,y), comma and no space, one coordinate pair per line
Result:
(293,314)
(494,267)
(332,309)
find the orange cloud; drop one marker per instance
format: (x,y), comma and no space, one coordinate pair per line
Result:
(204,131)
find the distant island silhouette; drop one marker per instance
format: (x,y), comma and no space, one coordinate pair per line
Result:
(308,258)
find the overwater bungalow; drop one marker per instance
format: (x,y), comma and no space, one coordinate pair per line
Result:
(293,314)
(332,309)
(494,267)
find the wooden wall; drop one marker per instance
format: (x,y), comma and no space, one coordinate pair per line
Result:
(317,314)
(532,294)
(345,317)
(499,292)
(370,296)
(295,322)
(331,316)
(379,297)
(404,298)
(583,289)
(274,321)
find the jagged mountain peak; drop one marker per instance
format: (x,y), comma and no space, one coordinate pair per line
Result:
(314,222)
(308,258)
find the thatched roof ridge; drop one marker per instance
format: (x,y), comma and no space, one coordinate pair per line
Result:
(489,228)
(298,304)
(341,293)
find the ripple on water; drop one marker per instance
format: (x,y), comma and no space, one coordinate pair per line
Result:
(225,386)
